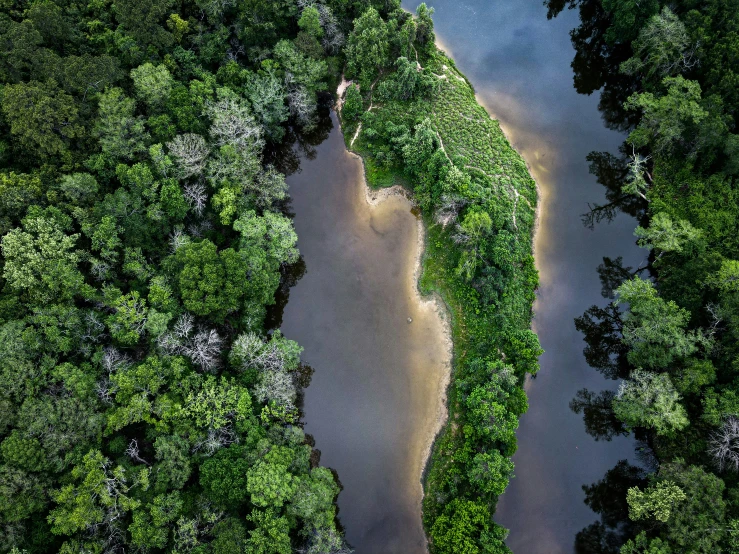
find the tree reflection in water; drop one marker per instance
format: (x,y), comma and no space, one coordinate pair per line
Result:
(285,157)
(607,497)
(595,67)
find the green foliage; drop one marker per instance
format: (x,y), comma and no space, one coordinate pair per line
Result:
(211,282)
(39,260)
(44,118)
(655,502)
(153,84)
(121,133)
(650,400)
(654,329)
(368,47)
(141,235)
(353,105)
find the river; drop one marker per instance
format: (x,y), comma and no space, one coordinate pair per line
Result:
(519,64)
(374,401)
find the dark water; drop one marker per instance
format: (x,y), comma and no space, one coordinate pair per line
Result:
(519,63)
(374,400)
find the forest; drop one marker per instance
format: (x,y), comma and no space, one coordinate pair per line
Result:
(146,402)
(149,402)
(667,72)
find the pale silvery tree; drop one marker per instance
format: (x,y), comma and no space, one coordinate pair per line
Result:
(333,38)
(302,106)
(268,188)
(215,439)
(94,329)
(275,360)
(277,387)
(197,197)
(112,361)
(724,444)
(134,453)
(663,47)
(189,152)
(202,346)
(177,240)
(233,124)
(326,540)
(197,229)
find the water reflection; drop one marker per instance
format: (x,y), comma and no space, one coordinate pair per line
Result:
(611,171)
(596,61)
(607,497)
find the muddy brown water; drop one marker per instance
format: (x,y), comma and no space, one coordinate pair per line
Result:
(374,402)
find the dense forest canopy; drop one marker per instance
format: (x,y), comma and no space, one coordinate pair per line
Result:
(144,406)
(668,74)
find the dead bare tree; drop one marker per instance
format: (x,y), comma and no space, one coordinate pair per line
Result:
(197,197)
(202,346)
(133,452)
(177,240)
(302,105)
(724,444)
(233,123)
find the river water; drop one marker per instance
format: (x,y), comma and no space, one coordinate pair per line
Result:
(374,403)
(519,63)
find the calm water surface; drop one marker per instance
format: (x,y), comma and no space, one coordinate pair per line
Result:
(374,400)
(519,64)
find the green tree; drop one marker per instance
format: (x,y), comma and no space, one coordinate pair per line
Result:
(100,493)
(310,22)
(270,534)
(464,528)
(43,117)
(367,48)
(40,261)
(121,133)
(353,106)
(173,468)
(21,494)
(211,282)
(656,501)
(671,120)
(269,482)
(224,475)
(665,235)
(153,84)
(662,48)
(490,472)
(650,400)
(654,329)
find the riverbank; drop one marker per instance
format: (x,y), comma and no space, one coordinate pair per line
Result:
(479,206)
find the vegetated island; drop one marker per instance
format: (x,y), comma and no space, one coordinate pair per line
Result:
(414,119)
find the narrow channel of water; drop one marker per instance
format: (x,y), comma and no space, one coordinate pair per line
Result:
(519,63)
(374,402)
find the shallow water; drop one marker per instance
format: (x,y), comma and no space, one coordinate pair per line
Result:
(519,63)
(374,401)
